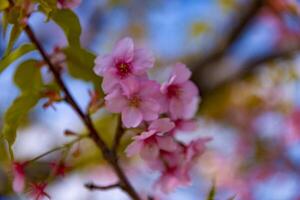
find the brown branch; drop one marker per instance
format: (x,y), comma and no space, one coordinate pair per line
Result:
(92,186)
(246,17)
(108,155)
(118,136)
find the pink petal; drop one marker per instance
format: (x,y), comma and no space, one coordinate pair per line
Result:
(181,73)
(166,143)
(150,109)
(177,108)
(149,87)
(142,61)
(191,108)
(187,125)
(150,151)
(109,81)
(115,101)
(162,125)
(134,148)
(131,117)
(130,86)
(102,64)
(123,50)
(145,135)
(190,90)
(18,183)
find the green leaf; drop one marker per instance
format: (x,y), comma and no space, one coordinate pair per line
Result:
(16,113)
(4,4)
(107,126)
(212,193)
(69,23)
(28,76)
(80,65)
(14,35)
(14,55)
(47,6)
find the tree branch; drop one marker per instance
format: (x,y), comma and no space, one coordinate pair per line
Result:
(108,155)
(92,186)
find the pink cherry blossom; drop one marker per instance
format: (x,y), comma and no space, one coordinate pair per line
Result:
(196,148)
(137,101)
(19,177)
(172,178)
(125,62)
(178,163)
(150,142)
(68,4)
(180,93)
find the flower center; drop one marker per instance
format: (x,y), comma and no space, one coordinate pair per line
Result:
(123,69)
(134,101)
(173,91)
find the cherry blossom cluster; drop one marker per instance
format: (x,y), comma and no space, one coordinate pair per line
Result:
(162,110)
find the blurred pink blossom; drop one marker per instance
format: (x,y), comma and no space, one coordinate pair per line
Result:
(180,93)
(149,143)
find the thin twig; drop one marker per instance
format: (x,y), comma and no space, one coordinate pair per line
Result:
(65,146)
(92,186)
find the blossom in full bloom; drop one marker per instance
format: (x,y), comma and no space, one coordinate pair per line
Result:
(180,93)
(68,4)
(150,142)
(136,102)
(125,62)
(19,176)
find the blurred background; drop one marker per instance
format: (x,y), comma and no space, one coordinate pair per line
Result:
(245,60)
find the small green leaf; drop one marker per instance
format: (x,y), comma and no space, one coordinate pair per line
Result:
(107,126)
(4,4)
(16,113)
(14,55)
(80,65)
(28,76)
(69,23)
(47,6)
(212,193)
(14,35)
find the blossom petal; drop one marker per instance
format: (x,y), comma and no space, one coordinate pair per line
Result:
(115,102)
(150,151)
(102,64)
(109,82)
(176,108)
(150,109)
(190,90)
(162,125)
(143,60)
(131,117)
(166,143)
(181,73)
(134,148)
(123,50)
